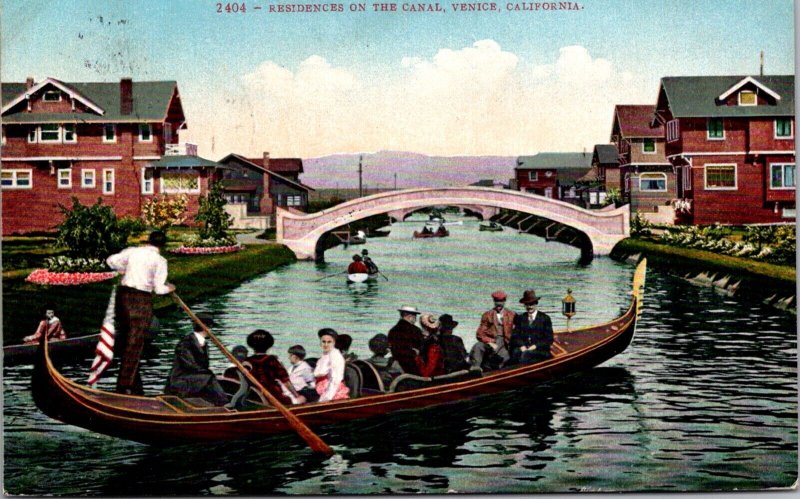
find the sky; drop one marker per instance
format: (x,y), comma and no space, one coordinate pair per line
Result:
(442,83)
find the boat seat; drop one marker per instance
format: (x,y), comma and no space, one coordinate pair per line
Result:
(353,379)
(406,382)
(191,404)
(371,378)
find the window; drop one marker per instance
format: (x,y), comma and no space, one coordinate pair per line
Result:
(3,132)
(32,136)
(49,133)
(649,146)
(108,181)
(147,181)
(64,178)
(784,128)
(782,176)
(87,179)
(109,133)
(52,96)
(790,213)
(294,200)
(69,133)
(533,176)
(673,131)
(653,182)
(747,98)
(167,133)
(145,132)
(174,183)
(720,177)
(16,179)
(686,172)
(716,131)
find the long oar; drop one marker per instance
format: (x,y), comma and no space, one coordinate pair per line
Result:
(311,438)
(330,275)
(381,273)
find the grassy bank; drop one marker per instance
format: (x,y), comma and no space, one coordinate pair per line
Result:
(686,260)
(81,308)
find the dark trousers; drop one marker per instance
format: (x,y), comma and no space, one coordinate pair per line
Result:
(310,394)
(134,311)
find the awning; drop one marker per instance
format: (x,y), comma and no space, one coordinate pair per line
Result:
(186,162)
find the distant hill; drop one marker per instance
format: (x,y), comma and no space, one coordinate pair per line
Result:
(413,170)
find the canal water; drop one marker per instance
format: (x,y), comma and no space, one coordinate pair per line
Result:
(704,399)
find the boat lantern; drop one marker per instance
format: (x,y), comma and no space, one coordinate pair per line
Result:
(568,305)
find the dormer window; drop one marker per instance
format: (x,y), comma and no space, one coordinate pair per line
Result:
(52,96)
(747,98)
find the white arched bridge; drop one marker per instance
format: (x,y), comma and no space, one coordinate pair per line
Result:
(301,232)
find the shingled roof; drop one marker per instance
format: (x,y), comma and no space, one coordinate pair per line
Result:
(280,165)
(151,100)
(635,121)
(606,154)
(697,96)
(555,161)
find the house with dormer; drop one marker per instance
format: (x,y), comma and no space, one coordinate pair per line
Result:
(646,178)
(731,141)
(112,141)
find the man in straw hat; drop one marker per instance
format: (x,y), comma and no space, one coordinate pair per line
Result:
(494,334)
(532,335)
(405,339)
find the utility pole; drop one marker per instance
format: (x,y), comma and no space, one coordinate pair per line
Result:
(761,71)
(395,180)
(360,188)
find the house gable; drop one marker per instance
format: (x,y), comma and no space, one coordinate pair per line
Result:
(738,94)
(45,89)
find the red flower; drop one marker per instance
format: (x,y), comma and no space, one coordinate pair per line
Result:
(186,250)
(44,276)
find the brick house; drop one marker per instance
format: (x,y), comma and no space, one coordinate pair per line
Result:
(646,178)
(731,141)
(255,186)
(552,174)
(92,140)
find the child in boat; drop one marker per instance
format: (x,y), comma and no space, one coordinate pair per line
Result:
(301,376)
(329,371)
(50,324)
(267,369)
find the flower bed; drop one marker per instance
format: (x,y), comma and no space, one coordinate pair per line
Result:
(211,250)
(44,276)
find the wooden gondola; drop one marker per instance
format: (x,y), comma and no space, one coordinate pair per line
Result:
(492,227)
(436,233)
(79,347)
(167,419)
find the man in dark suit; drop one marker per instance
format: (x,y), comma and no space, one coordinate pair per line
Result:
(532,334)
(405,340)
(190,375)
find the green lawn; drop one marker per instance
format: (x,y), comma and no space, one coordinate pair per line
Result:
(685,260)
(81,308)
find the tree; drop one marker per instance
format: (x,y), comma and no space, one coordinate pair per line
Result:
(91,231)
(163,213)
(216,221)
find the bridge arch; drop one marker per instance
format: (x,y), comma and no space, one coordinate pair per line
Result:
(301,232)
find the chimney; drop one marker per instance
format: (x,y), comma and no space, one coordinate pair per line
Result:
(266,160)
(126,96)
(29,82)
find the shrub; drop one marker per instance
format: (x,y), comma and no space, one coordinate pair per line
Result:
(613,196)
(162,212)
(91,231)
(759,235)
(216,221)
(68,264)
(199,242)
(640,226)
(785,245)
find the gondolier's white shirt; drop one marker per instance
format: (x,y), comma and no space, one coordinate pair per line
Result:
(145,269)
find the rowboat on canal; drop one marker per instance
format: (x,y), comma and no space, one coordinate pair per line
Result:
(168,420)
(491,227)
(68,349)
(362,277)
(436,233)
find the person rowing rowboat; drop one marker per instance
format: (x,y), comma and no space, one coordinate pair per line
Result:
(371,267)
(357,266)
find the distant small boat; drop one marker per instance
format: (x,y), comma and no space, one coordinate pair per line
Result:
(424,235)
(356,240)
(492,227)
(379,233)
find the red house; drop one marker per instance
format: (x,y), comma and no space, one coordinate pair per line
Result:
(552,174)
(731,140)
(113,141)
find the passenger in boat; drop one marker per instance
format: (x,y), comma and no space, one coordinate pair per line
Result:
(493,334)
(371,267)
(343,343)
(532,336)
(301,375)
(405,340)
(357,266)
(51,325)
(329,371)
(441,230)
(268,370)
(386,367)
(430,361)
(144,273)
(427,230)
(190,375)
(454,354)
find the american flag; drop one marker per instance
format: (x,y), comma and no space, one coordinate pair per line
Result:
(105,346)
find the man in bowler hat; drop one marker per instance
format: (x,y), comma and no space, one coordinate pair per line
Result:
(532,334)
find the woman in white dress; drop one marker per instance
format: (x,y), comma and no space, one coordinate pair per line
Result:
(329,371)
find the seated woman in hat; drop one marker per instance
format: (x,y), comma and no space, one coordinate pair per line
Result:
(430,361)
(268,370)
(532,335)
(329,371)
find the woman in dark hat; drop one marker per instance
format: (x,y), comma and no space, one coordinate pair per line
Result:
(453,351)
(329,371)
(532,334)
(267,369)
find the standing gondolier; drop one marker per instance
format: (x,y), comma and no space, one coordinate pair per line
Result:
(145,273)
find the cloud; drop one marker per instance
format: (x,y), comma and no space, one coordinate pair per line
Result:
(478,99)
